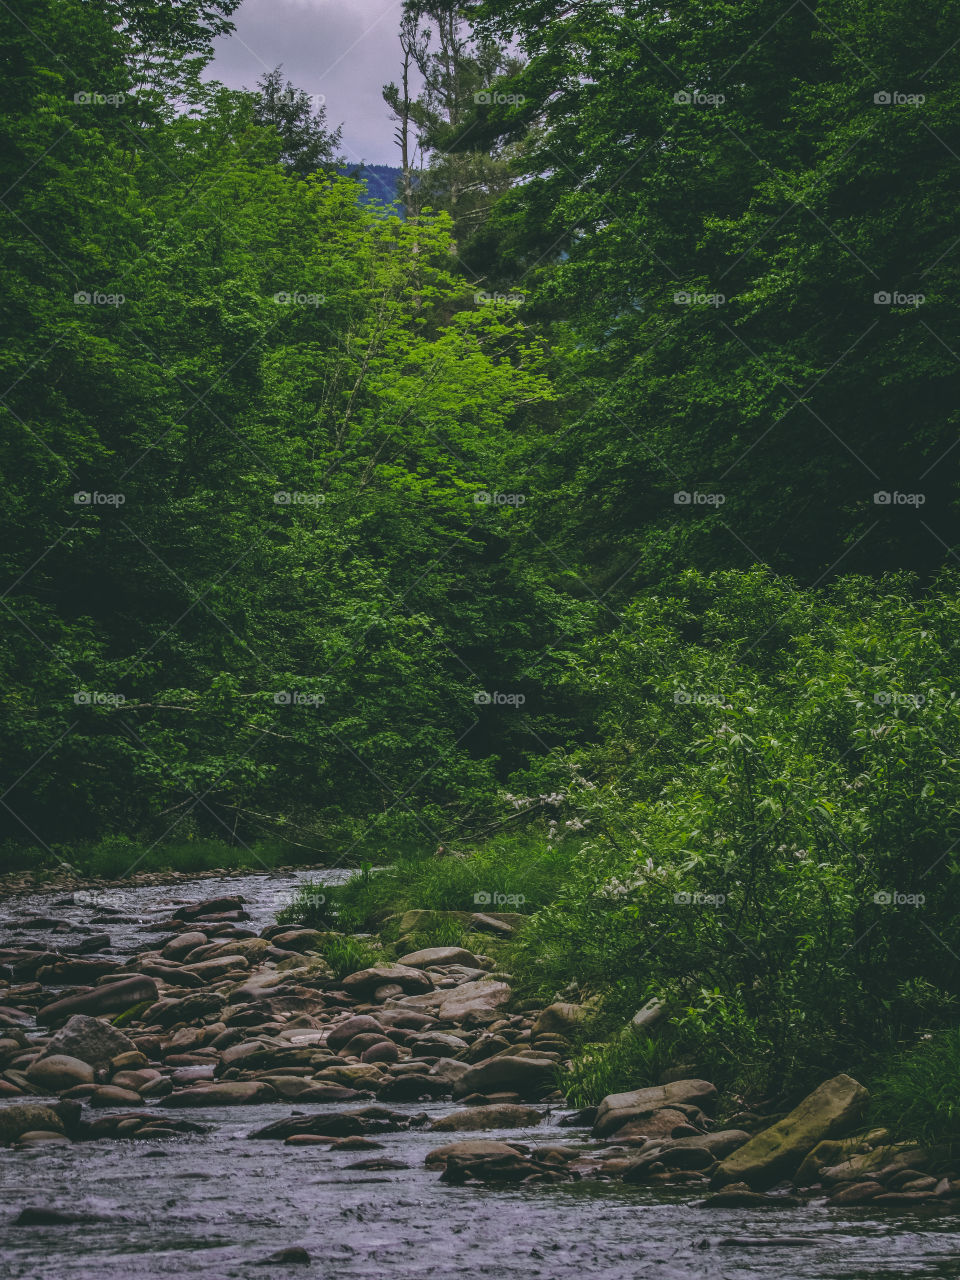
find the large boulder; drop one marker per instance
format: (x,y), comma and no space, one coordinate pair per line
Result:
(528,1077)
(619,1109)
(560,1019)
(90,1040)
(366,981)
(112,997)
(58,1071)
(27,1117)
(498,1115)
(778,1152)
(452,1004)
(226,1093)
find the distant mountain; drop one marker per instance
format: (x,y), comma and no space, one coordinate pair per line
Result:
(382,180)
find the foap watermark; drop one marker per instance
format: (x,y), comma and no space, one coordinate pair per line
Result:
(692,298)
(696,698)
(296,299)
(493,498)
(97,698)
(293,97)
(685,899)
(894,98)
(98,298)
(295,698)
(693,498)
(890,699)
(484,899)
(294,498)
(894,298)
(93,498)
(493,98)
(101,899)
(497,699)
(696,98)
(304,895)
(484,299)
(893,898)
(886,498)
(91,98)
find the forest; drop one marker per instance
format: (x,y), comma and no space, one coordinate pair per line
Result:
(572,526)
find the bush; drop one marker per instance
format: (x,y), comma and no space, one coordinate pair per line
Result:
(773,814)
(917,1095)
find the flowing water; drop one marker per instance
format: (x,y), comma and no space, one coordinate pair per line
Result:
(214,1205)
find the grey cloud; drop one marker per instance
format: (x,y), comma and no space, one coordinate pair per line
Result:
(343,49)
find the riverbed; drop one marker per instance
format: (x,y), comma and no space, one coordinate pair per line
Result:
(215,1204)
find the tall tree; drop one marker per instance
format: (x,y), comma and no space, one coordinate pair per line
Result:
(744,213)
(306,144)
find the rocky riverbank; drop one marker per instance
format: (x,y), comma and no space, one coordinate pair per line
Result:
(212,1014)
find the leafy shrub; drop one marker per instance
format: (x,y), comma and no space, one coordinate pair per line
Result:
(917,1095)
(773,822)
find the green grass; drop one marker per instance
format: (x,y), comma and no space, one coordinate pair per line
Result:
(347,955)
(528,872)
(626,1062)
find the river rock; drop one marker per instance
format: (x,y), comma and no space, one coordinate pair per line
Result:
(619,1109)
(24,1117)
(226,1093)
(455,1004)
(856,1193)
(344,1032)
(560,1019)
(439,956)
(438,1044)
(382,1051)
(183,944)
(113,997)
(777,1152)
(298,939)
(411,981)
(470,1148)
(42,1138)
(59,1071)
(666,1123)
(528,1077)
(414,1088)
(449,1071)
(213,907)
(109,1095)
(90,1040)
(499,1115)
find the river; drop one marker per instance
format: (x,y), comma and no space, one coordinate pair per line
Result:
(214,1205)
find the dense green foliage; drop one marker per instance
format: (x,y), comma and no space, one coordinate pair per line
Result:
(567,522)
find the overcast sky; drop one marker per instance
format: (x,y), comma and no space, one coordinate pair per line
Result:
(343,49)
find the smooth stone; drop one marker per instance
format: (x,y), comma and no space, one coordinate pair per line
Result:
(500,1115)
(59,1071)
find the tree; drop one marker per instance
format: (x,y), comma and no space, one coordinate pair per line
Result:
(443,167)
(307,145)
(715,197)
